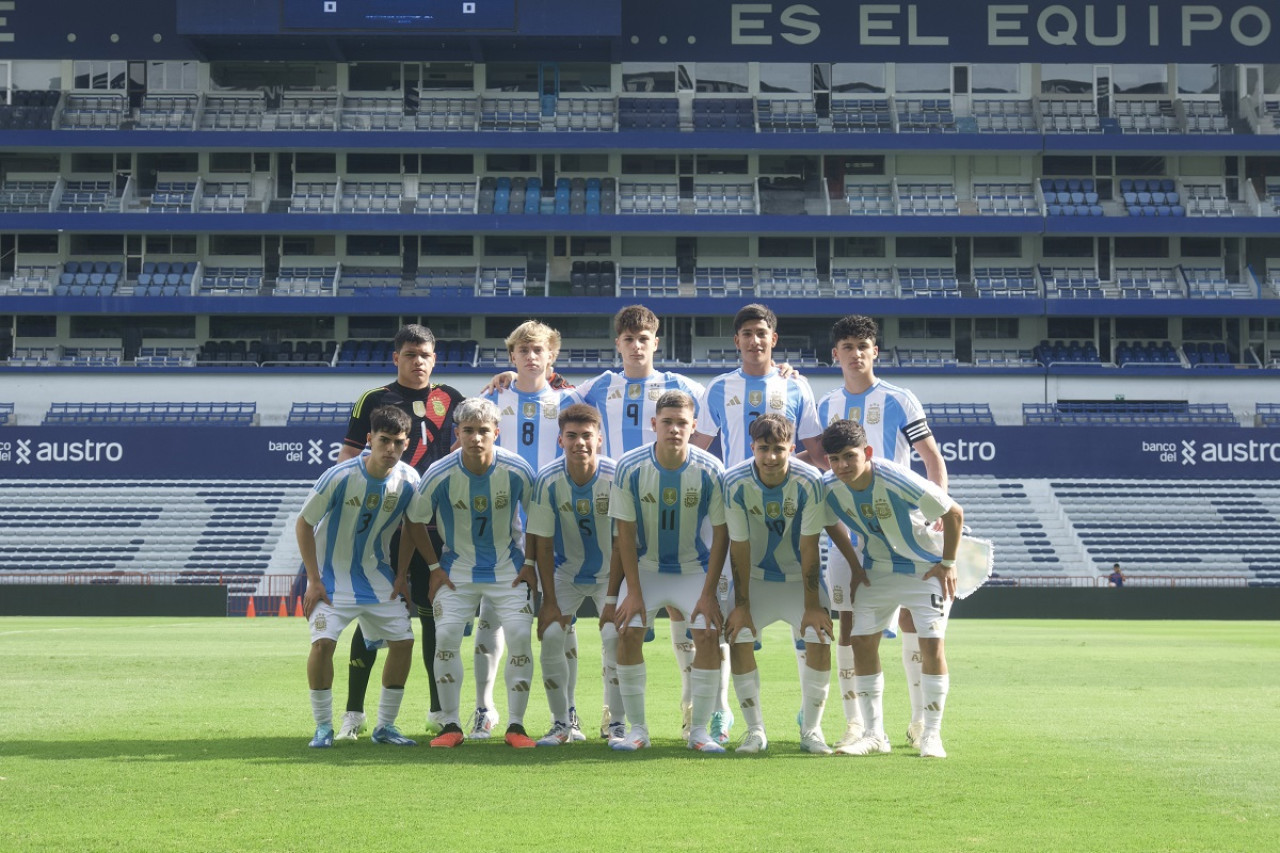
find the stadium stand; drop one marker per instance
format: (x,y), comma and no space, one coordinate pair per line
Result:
(959,414)
(1129,413)
(151,414)
(191,532)
(6,414)
(319,414)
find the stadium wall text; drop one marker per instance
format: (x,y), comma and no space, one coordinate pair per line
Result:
(299,453)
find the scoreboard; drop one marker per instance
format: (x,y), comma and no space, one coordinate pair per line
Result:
(476,16)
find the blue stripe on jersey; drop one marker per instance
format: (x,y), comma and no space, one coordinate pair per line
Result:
(331,532)
(482,532)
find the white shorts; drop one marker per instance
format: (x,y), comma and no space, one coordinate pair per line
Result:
(513,605)
(668,590)
(778,601)
(874,606)
(570,595)
(381,622)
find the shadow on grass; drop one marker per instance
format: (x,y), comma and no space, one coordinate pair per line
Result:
(294,750)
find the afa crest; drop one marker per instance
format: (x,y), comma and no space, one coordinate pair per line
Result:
(776,402)
(669,497)
(837,594)
(883,510)
(691,498)
(438,408)
(501,500)
(550,411)
(655,391)
(873,413)
(389,504)
(789,508)
(602,504)
(480,503)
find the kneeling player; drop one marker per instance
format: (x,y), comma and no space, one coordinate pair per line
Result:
(907,564)
(354,509)
(475,493)
(774,511)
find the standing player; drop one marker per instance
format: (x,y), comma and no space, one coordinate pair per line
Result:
(626,402)
(476,493)
(344,535)
(731,402)
(895,425)
(904,562)
(774,511)
(527,427)
(569,519)
(430,410)
(664,496)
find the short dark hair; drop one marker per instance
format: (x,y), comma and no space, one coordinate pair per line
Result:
(856,326)
(752,312)
(413,333)
(580,413)
(843,434)
(635,318)
(674,400)
(390,419)
(771,426)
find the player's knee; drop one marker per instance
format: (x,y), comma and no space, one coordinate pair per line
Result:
(325,646)
(449,635)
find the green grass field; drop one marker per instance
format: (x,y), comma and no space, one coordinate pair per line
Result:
(165,734)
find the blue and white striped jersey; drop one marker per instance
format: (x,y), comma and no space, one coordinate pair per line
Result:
(773,518)
(626,405)
(893,518)
(733,400)
(891,415)
(354,516)
(477,516)
(673,510)
(529,423)
(578,519)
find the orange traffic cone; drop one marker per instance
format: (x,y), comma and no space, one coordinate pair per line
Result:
(252,611)
(284,608)
(297,608)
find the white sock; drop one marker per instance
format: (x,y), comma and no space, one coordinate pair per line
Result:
(704,683)
(322,707)
(848,688)
(722,698)
(555,672)
(571,662)
(631,679)
(448,670)
(870,690)
(747,687)
(518,676)
(911,665)
(797,643)
(389,705)
(489,650)
(612,694)
(683,647)
(935,689)
(814,686)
